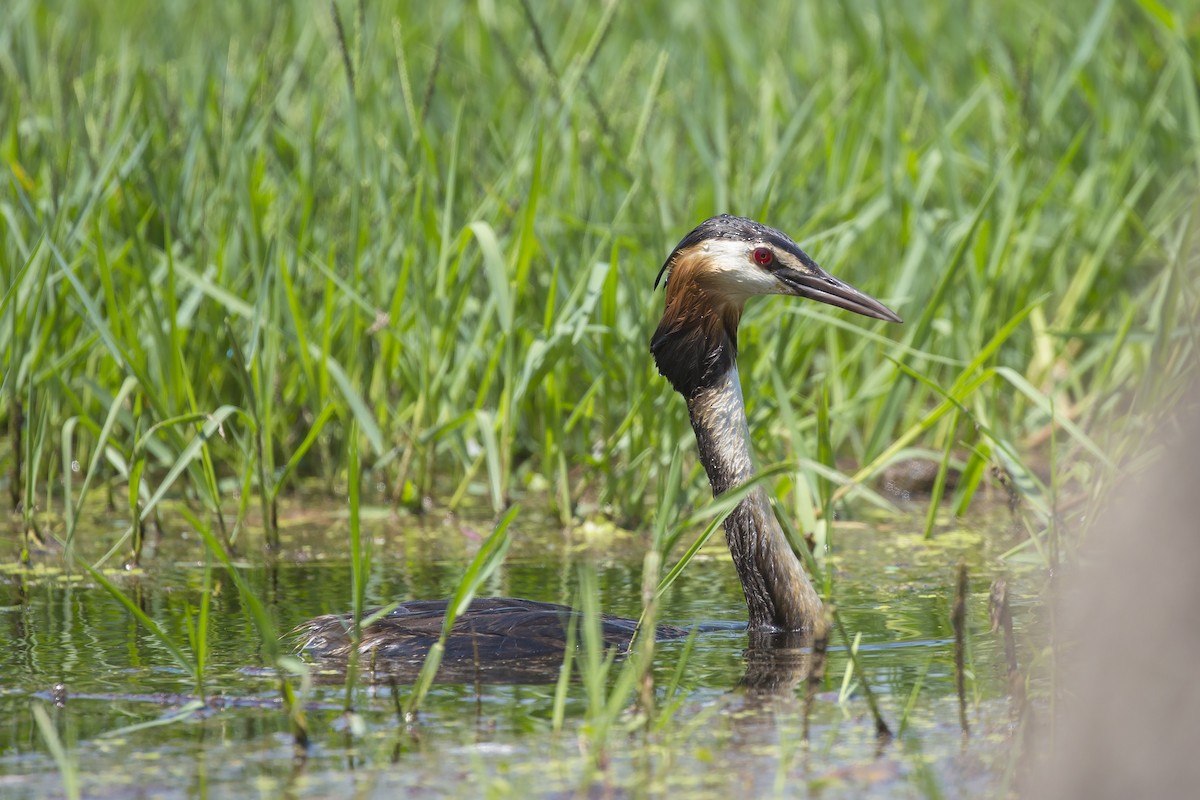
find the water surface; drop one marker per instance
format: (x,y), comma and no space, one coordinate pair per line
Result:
(66,645)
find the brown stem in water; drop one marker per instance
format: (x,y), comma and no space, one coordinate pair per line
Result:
(958,618)
(1001,617)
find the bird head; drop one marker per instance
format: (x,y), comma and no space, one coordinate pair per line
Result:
(711,273)
(729,259)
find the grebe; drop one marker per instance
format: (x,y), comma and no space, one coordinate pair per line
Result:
(709,276)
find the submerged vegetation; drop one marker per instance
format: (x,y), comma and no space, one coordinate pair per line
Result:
(255,249)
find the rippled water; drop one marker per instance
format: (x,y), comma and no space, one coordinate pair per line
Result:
(893,591)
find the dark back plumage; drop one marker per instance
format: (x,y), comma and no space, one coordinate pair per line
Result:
(497,639)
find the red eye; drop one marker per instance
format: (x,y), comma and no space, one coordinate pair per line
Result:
(763,256)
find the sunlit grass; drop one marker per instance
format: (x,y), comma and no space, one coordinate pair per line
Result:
(460,260)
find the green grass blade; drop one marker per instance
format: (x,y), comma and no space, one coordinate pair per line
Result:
(485,562)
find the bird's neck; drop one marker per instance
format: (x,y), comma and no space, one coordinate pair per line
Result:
(778,593)
(696,340)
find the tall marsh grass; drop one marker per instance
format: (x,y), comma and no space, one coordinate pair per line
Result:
(234,233)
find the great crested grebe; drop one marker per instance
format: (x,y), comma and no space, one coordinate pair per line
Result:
(709,276)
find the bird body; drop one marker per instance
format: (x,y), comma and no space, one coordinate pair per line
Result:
(491,628)
(710,275)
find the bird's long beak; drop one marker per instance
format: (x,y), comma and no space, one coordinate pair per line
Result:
(817,284)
